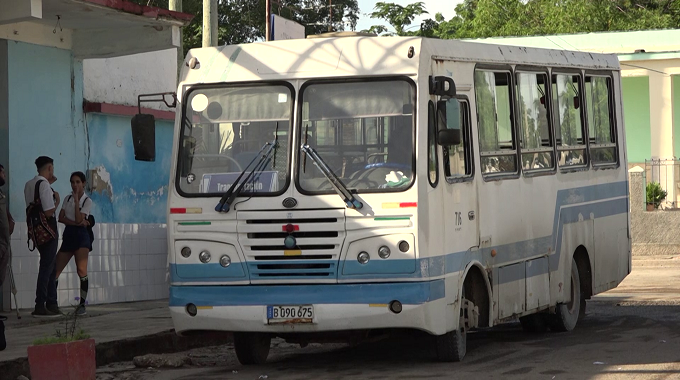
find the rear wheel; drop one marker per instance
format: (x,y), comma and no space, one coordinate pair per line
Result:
(567,314)
(252,348)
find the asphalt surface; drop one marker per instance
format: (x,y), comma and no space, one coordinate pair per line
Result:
(631,332)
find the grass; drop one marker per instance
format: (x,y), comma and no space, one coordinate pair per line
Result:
(61,339)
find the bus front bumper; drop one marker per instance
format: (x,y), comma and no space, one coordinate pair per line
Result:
(337,307)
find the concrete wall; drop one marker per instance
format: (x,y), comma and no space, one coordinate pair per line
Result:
(125,190)
(45,116)
(649,229)
(636,111)
(120,80)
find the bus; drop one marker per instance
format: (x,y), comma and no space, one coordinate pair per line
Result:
(340,188)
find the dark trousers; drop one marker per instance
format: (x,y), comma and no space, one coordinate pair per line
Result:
(46,292)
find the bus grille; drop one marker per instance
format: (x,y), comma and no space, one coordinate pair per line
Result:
(319,238)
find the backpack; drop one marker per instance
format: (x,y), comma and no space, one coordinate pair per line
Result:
(40,230)
(90,219)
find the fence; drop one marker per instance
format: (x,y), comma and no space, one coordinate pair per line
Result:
(666,173)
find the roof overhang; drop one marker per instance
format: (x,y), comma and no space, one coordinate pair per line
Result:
(97,28)
(634,45)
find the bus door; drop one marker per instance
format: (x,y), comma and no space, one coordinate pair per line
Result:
(459,205)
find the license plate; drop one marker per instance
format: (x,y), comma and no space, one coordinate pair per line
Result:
(290,314)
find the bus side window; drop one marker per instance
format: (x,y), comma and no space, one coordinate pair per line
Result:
(601,125)
(569,133)
(536,143)
(497,144)
(458,158)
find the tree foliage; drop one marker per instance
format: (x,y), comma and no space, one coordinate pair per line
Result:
(243,21)
(493,18)
(397,16)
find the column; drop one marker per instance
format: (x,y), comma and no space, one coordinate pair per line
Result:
(661,118)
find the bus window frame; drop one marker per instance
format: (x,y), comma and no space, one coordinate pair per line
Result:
(612,117)
(186,92)
(530,69)
(504,175)
(355,79)
(432,127)
(584,126)
(470,155)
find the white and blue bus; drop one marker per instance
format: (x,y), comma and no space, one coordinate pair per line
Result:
(340,187)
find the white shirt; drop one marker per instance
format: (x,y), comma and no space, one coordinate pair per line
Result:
(69,206)
(46,193)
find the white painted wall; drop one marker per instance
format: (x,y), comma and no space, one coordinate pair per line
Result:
(128,263)
(120,80)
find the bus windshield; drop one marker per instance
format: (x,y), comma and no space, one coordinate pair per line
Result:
(363,132)
(224,128)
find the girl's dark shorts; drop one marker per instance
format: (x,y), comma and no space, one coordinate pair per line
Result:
(74,238)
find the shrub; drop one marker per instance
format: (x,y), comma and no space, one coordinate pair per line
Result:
(655,194)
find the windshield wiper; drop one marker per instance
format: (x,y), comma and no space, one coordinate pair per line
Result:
(340,188)
(231,194)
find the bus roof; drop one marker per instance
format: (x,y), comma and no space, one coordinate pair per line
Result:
(364,56)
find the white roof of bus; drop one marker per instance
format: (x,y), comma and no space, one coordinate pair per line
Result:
(358,56)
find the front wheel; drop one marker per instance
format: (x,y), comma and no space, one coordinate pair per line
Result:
(452,346)
(252,348)
(567,314)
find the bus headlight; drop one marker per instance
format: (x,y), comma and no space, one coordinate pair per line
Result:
(384,252)
(363,258)
(186,252)
(204,256)
(225,261)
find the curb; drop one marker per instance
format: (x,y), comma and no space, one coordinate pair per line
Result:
(125,350)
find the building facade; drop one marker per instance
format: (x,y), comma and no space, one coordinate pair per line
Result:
(70,74)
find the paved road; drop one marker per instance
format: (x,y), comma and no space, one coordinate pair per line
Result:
(632,332)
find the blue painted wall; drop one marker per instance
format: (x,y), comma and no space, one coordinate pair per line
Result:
(45,116)
(138,190)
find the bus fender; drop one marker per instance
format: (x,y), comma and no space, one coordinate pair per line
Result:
(485,276)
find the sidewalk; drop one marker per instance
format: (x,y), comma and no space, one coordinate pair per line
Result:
(104,323)
(121,331)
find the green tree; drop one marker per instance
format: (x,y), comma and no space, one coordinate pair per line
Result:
(243,21)
(492,18)
(399,17)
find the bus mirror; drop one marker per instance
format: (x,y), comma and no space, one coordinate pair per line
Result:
(448,137)
(442,86)
(144,137)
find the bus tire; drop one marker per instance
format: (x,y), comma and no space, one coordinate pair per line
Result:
(534,323)
(252,348)
(567,314)
(452,346)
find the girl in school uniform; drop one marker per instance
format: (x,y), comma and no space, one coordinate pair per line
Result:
(76,238)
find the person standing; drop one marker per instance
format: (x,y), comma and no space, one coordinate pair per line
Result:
(6,230)
(76,238)
(38,192)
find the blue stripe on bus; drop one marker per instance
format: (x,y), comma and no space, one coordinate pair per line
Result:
(211,272)
(378,266)
(408,293)
(570,203)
